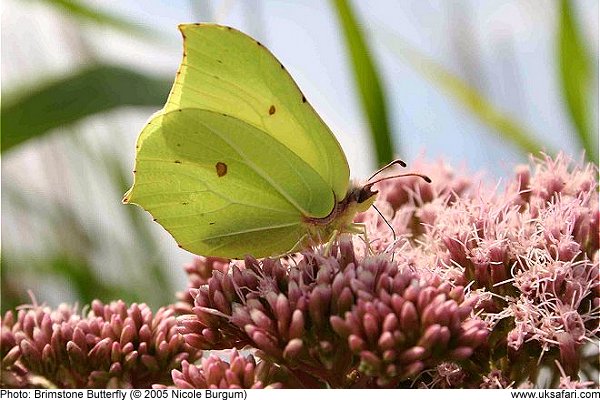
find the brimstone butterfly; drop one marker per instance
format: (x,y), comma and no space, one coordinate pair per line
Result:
(238,162)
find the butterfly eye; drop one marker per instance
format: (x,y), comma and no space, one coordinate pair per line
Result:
(365,193)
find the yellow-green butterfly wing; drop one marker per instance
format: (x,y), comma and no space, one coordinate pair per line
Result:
(226,71)
(237,158)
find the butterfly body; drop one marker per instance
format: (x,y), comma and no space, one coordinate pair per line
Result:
(341,219)
(238,162)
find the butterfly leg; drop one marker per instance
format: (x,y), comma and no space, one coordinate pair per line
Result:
(300,245)
(329,243)
(361,229)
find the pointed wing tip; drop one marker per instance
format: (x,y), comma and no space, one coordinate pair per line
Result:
(187,26)
(183,28)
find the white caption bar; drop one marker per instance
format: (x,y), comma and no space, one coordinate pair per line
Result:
(297,394)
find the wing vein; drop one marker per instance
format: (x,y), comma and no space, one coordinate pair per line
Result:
(259,171)
(166,204)
(259,229)
(208,188)
(323,156)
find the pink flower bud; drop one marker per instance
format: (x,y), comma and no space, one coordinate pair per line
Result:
(292,349)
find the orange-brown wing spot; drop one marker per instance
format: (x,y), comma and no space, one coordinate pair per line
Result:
(271,110)
(221,168)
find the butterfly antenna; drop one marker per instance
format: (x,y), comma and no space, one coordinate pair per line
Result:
(424,177)
(389,226)
(391,164)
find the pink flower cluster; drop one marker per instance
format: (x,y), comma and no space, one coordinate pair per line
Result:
(476,287)
(526,254)
(531,248)
(113,346)
(214,373)
(335,320)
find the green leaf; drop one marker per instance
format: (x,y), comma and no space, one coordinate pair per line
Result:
(83,12)
(69,99)
(575,76)
(368,82)
(467,96)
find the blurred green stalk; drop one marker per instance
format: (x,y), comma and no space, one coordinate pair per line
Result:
(84,13)
(576,79)
(97,88)
(368,83)
(466,95)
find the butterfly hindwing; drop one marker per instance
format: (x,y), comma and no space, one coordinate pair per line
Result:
(223,187)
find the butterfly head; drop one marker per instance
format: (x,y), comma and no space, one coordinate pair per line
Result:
(361,197)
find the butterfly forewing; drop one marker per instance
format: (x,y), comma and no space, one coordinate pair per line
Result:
(226,71)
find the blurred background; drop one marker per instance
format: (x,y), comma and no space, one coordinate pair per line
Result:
(479,84)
